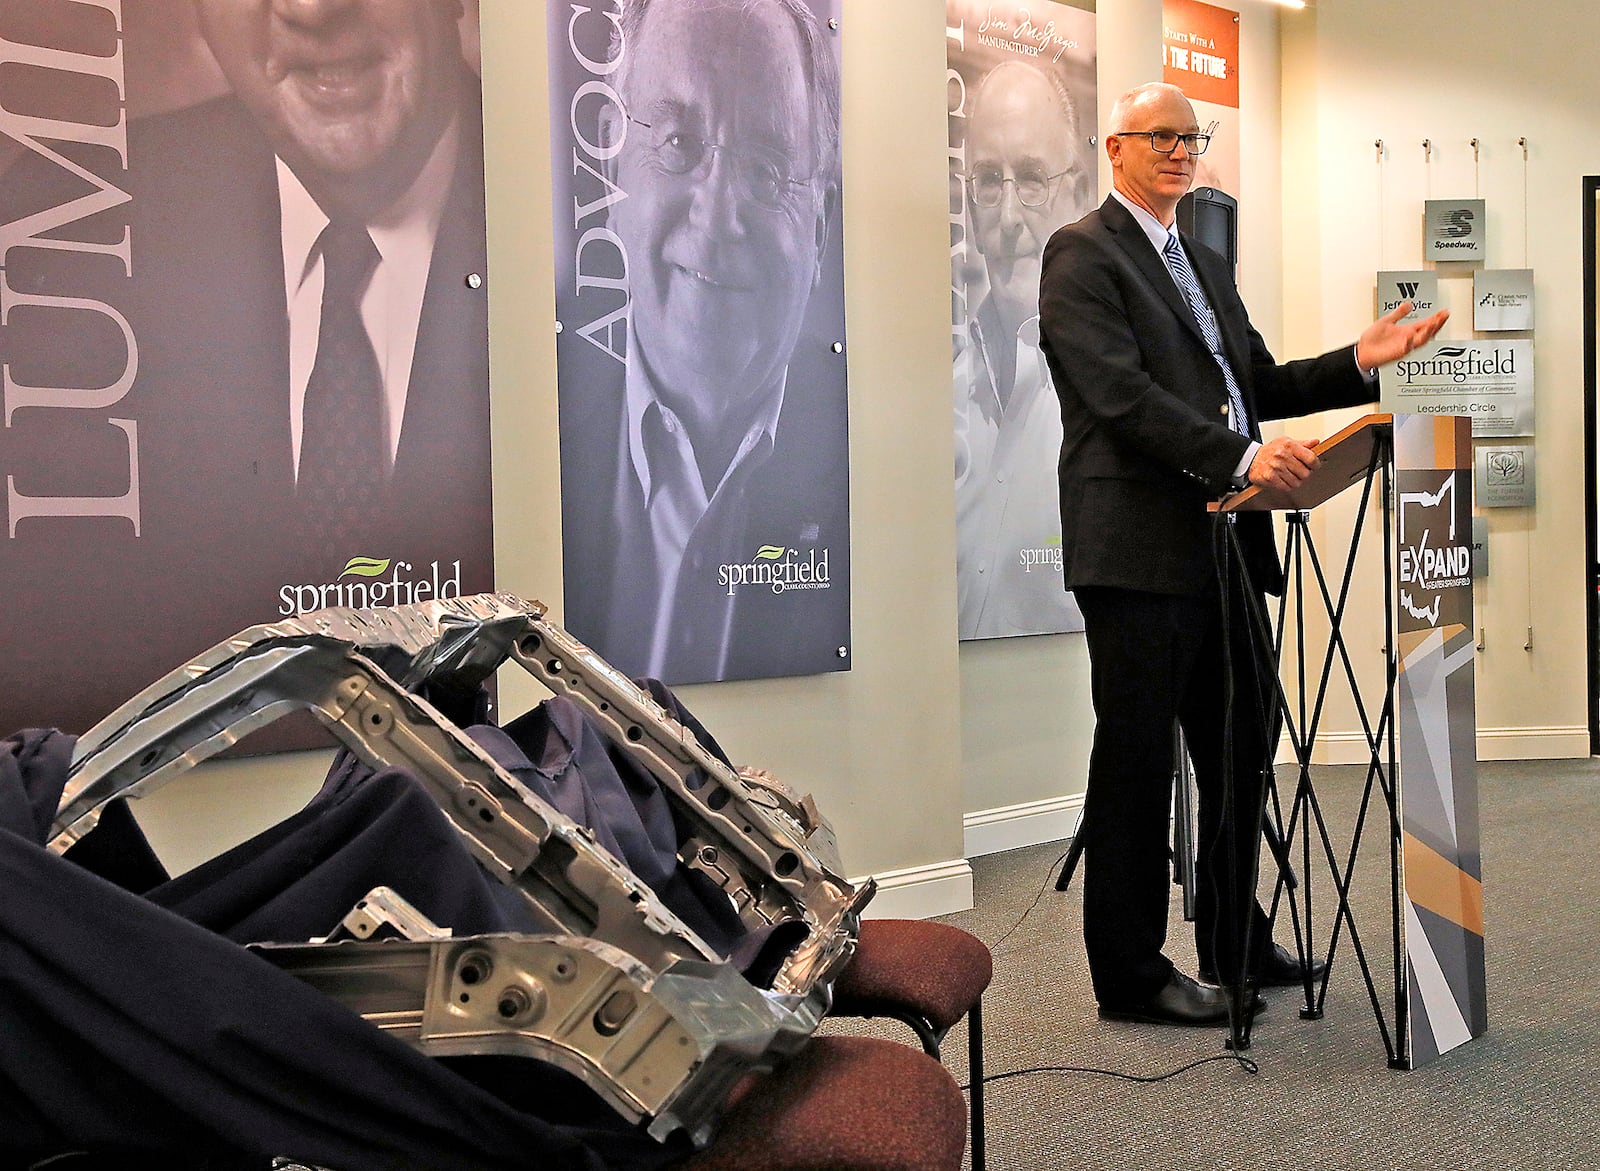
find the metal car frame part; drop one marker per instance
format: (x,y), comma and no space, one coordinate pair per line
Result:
(755,839)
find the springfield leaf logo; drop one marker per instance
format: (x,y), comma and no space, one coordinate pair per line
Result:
(779,568)
(401,587)
(1451,351)
(365,567)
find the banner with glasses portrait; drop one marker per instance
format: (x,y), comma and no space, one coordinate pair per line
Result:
(1022,117)
(700,349)
(1200,55)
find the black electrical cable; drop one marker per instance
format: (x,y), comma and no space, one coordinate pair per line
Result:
(1237,1058)
(1232,1055)
(995,946)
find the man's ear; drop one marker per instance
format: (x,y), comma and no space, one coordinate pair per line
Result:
(829,209)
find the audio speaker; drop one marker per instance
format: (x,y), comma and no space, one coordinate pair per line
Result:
(1212,217)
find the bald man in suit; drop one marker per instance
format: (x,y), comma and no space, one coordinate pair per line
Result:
(1163,384)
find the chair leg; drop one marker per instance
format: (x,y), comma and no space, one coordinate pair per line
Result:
(927,1036)
(975,1080)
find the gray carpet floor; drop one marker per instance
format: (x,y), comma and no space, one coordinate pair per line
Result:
(1322,1096)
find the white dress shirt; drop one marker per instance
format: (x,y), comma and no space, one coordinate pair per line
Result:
(404,234)
(1008,511)
(683,516)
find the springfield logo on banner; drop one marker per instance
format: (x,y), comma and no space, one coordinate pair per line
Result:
(779,569)
(1490,382)
(373,581)
(1419,286)
(1435,538)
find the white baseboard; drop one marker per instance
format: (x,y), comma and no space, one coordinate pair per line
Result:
(1532,743)
(922,892)
(1011,827)
(1493,744)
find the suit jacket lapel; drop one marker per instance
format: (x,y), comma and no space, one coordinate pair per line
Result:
(1131,239)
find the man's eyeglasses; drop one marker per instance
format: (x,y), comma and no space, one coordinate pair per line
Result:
(764,176)
(987,186)
(1166,141)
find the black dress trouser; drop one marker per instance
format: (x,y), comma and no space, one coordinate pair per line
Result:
(1156,658)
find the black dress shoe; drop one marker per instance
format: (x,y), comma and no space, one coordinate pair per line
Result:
(1180,1001)
(1278,969)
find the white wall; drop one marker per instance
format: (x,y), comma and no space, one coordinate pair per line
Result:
(1358,71)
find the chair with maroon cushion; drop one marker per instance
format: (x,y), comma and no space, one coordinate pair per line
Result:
(826,1109)
(927,975)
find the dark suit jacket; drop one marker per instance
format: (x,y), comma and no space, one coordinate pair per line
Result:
(797,499)
(217,354)
(1146,443)
(106,611)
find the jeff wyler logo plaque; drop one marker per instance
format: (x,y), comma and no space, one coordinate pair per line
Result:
(1419,286)
(1491,382)
(1502,298)
(1453,229)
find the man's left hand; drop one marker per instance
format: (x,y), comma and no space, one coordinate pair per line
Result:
(1387,340)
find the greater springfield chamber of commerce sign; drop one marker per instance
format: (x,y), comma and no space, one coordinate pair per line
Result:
(1491,382)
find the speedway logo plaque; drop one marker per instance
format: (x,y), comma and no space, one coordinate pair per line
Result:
(1453,229)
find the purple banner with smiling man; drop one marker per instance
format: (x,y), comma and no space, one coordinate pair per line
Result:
(244,329)
(700,306)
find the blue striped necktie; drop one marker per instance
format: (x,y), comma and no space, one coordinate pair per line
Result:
(1178,265)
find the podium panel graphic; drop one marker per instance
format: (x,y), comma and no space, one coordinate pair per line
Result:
(1441,859)
(1421,733)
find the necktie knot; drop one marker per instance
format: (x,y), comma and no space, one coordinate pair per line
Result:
(348,258)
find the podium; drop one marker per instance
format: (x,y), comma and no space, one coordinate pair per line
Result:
(1420,735)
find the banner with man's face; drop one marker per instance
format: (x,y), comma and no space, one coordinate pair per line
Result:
(1022,114)
(701,363)
(244,333)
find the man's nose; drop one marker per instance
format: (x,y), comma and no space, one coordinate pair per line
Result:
(1010,207)
(716,201)
(1184,147)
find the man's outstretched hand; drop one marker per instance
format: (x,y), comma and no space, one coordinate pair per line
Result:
(1386,340)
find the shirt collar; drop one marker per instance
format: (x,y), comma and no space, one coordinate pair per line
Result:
(640,395)
(403,232)
(1158,233)
(1024,343)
